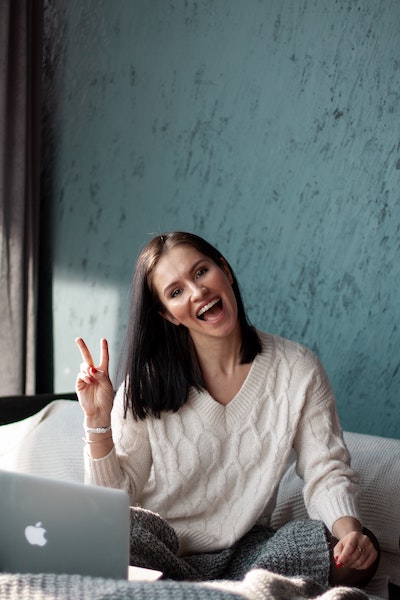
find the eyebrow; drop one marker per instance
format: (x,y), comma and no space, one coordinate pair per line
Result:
(173,284)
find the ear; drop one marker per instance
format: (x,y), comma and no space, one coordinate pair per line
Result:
(168,317)
(226,270)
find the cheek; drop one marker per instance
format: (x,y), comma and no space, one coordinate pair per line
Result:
(232,297)
(173,316)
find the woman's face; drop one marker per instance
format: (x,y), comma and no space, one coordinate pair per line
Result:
(196,292)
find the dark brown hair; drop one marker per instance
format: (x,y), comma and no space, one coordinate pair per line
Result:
(161,362)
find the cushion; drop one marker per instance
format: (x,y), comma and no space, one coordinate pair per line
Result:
(48,443)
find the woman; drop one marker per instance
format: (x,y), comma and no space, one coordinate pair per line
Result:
(201,430)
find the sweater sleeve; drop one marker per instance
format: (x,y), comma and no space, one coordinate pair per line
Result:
(128,464)
(331,487)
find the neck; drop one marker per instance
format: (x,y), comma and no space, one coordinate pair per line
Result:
(219,354)
(220,362)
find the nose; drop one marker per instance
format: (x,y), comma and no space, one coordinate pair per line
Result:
(197,290)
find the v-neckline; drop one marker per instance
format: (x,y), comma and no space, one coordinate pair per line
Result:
(237,409)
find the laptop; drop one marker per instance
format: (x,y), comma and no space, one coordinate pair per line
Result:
(54,526)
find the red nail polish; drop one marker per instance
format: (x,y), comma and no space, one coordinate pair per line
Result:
(339,565)
(94,370)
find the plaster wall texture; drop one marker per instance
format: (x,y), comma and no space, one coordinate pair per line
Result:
(269,127)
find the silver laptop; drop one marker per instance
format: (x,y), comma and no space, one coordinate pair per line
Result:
(54,526)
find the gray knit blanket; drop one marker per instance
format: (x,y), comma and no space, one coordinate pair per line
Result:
(290,564)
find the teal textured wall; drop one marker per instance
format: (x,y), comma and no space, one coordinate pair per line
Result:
(270,127)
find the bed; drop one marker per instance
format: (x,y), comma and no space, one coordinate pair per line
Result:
(42,434)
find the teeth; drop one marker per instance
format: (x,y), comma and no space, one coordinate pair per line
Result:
(208,306)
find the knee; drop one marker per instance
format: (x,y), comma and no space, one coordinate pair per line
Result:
(353,577)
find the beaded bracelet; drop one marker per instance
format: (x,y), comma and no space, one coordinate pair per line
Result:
(98,429)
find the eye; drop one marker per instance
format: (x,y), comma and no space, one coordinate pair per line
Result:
(201,272)
(175,293)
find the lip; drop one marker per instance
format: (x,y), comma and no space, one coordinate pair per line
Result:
(207,305)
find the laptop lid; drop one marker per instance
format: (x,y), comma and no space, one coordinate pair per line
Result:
(54,526)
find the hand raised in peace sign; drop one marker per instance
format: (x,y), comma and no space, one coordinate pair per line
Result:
(93,386)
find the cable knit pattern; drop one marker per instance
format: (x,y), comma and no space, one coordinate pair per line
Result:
(212,470)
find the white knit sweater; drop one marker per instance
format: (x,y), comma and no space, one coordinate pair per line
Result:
(213,471)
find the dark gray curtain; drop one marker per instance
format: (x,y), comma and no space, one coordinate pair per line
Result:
(20,76)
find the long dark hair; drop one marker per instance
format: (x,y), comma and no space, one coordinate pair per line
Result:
(161,361)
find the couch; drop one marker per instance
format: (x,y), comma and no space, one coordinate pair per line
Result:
(43,435)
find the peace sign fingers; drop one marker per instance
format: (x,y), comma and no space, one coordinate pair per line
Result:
(93,385)
(87,356)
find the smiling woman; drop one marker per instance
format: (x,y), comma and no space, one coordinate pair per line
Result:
(190,285)
(203,426)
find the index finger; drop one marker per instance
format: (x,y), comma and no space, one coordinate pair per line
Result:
(85,353)
(344,551)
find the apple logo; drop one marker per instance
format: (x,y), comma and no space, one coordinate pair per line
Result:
(35,534)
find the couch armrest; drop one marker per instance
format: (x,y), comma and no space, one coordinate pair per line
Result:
(16,408)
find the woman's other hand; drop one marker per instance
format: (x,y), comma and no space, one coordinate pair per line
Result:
(93,386)
(354,549)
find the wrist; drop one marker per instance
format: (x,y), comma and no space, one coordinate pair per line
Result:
(346,525)
(98,445)
(97,430)
(97,422)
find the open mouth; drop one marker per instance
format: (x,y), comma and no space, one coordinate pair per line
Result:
(210,310)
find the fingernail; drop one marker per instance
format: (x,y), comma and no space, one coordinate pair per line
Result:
(91,379)
(94,370)
(339,565)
